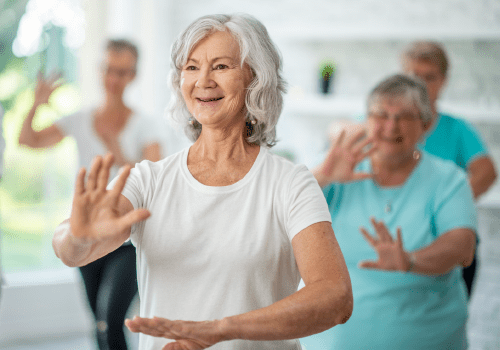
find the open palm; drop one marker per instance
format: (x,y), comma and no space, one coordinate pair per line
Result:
(95,215)
(390,252)
(343,157)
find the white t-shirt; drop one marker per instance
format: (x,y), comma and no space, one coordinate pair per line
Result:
(138,133)
(210,252)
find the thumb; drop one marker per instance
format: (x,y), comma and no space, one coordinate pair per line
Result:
(368,264)
(133,217)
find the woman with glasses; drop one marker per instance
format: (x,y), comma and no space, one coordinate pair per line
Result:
(405,221)
(111,127)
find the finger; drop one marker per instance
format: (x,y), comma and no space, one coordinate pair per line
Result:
(120,182)
(383,232)
(372,241)
(356,137)
(366,153)
(340,139)
(399,238)
(361,145)
(361,176)
(80,182)
(94,170)
(369,264)
(103,176)
(131,218)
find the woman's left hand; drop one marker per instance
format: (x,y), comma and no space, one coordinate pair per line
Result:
(189,335)
(391,254)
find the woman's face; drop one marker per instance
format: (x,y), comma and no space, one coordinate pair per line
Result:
(213,82)
(395,126)
(118,71)
(430,74)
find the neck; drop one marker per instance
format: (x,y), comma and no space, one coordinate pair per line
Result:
(113,108)
(392,171)
(223,144)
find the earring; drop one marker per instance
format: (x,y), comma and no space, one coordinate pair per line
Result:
(253,122)
(416,155)
(191,121)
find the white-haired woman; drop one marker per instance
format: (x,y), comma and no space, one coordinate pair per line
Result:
(406,275)
(231,228)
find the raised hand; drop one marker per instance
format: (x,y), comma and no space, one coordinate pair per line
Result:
(188,335)
(391,253)
(45,87)
(343,157)
(96,214)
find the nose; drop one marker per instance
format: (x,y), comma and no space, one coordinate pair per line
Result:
(205,80)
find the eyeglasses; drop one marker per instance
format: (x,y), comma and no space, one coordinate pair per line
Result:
(383,116)
(120,73)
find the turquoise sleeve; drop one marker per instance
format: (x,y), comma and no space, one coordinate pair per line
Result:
(454,205)
(472,145)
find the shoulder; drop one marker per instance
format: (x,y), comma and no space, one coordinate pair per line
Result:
(458,124)
(281,167)
(153,171)
(442,172)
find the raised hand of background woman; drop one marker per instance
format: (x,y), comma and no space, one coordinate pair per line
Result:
(45,86)
(344,155)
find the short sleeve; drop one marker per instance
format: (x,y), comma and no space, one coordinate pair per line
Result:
(306,203)
(454,205)
(136,188)
(472,145)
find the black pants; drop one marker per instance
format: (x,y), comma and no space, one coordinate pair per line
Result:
(468,274)
(111,284)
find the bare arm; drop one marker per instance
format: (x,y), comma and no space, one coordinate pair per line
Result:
(49,136)
(482,175)
(100,219)
(453,248)
(325,301)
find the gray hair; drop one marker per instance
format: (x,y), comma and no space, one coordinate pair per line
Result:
(264,97)
(411,89)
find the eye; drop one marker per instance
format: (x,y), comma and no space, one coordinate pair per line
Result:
(190,68)
(221,66)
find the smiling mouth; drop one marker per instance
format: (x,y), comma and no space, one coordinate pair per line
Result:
(210,99)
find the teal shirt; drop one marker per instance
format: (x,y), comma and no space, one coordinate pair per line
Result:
(395,310)
(456,140)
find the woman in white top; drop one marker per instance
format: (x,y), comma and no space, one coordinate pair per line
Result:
(231,228)
(110,282)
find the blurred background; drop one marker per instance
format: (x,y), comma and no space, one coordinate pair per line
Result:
(43,299)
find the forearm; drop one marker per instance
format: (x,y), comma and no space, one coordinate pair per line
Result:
(444,254)
(482,175)
(72,251)
(313,309)
(320,177)
(27,136)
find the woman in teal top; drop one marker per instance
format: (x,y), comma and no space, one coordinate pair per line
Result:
(448,137)
(405,221)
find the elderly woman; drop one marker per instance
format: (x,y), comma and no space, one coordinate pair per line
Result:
(416,221)
(449,137)
(231,228)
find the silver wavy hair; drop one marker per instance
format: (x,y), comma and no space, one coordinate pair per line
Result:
(411,89)
(264,98)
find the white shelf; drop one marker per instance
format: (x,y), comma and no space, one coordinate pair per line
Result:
(331,107)
(325,33)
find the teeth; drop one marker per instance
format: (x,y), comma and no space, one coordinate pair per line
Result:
(211,99)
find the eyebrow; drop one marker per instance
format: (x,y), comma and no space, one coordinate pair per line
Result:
(214,60)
